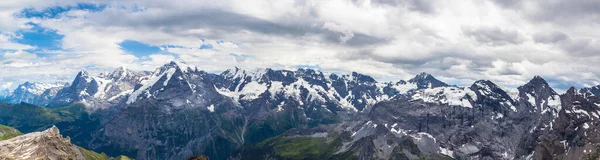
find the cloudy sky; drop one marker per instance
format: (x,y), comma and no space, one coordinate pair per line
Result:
(506,41)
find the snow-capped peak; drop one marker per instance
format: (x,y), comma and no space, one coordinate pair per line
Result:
(37,88)
(491,94)
(538,93)
(173,71)
(537,86)
(421,76)
(83,75)
(360,78)
(120,73)
(83,72)
(255,74)
(182,65)
(425,80)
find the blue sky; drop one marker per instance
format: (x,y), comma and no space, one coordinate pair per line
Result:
(55,11)
(458,42)
(40,37)
(138,49)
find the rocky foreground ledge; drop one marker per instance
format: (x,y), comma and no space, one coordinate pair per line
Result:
(48,144)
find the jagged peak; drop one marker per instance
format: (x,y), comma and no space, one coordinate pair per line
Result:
(52,131)
(426,80)
(82,73)
(237,72)
(231,71)
(537,84)
(120,69)
(179,64)
(422,76)
(593,90)
(120,72)
(484,83)
(27,83)
(537,80)
(308,70)
(401,82)
(361,77)
(484,87)
(572,90)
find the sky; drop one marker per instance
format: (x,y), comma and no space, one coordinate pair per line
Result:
(459,42)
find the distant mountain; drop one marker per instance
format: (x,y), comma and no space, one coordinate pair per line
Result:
(178,111)
(479,122)
(425,80)
(99,92)
(36,93)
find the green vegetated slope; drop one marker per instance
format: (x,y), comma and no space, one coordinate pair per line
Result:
(329,147)
(91,155)
(301,147)
(7,132)
(29,118)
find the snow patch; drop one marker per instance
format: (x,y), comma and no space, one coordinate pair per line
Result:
(554,102)
(531,99)
(404,88)
(169,74)
(447,152)
(147,84)
(211,108)
(279,107)
(252,90)
(446,95)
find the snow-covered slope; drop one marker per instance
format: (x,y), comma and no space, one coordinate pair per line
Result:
(171,75)
(245,106)
(454,96)
(351,92)
(102,91)
(37,93)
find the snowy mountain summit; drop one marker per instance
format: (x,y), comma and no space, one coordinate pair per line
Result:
(178,102)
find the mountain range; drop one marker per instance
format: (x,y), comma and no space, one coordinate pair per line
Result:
(178,111)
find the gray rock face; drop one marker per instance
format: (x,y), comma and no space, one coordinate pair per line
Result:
(574,134)
(491,126)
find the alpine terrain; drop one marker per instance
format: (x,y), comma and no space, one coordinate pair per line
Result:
(179,111)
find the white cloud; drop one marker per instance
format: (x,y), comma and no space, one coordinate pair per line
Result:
(6,85)
(346,34)
(457,41)
(6,43)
